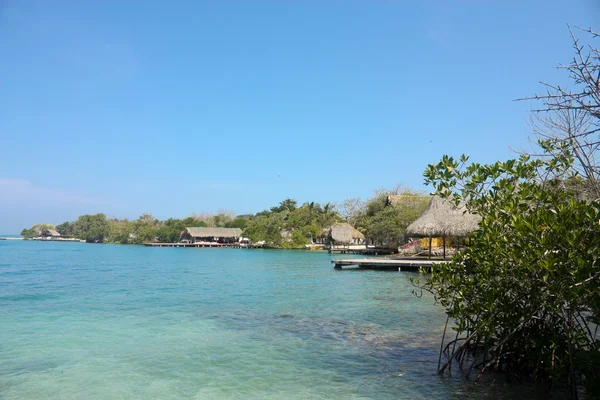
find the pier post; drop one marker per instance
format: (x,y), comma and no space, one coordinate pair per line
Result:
(444,247)
(430,247)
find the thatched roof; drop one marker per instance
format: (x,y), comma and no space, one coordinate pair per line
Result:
(50,232)
(213,232)
(344,233)
(441,218)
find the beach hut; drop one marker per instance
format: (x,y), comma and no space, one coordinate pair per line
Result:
(442,219)
(211,235)
(344,233)
(340,233)
(49,234)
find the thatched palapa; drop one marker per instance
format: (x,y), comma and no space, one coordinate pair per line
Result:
(442,218)
(219,235)
(52,233)
(344,233)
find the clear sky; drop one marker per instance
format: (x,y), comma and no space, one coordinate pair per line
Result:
(170,108)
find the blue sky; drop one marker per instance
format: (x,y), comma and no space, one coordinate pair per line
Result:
(126,107)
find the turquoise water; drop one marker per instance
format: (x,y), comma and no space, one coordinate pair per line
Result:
(85,321)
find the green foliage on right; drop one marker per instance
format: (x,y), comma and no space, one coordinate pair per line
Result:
(525,296)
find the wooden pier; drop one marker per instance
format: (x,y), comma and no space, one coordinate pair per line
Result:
(229,245)
(406,264)
(364,251)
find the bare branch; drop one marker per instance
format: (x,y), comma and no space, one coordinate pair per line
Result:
(570,118)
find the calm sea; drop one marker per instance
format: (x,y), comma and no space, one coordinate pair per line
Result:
(86,321)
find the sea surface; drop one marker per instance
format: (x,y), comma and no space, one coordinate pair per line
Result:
(92,321)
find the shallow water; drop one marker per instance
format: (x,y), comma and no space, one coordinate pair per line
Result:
(112,321)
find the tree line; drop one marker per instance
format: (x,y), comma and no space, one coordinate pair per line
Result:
(285,225)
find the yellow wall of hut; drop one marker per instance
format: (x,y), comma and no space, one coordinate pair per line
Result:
(435,242)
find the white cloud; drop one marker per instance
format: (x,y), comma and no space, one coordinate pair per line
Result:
(23,191)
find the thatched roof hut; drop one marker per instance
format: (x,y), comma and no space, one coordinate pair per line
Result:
(49,233)
(343,233)
(211,234)
(442,218)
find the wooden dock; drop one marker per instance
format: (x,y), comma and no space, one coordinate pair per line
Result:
(364,251)
(196,245)
(406,264)
(183,244)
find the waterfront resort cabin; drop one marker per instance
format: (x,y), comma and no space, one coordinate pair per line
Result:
(342,234)
(346,234)
(442,219)
(211,235)
(49,234)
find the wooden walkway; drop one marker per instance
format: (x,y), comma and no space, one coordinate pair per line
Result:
(366,251)
(387,264)
(231,245)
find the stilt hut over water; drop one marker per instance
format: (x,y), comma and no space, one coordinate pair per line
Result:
(212,235)
(442,219)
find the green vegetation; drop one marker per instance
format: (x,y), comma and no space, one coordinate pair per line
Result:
(525,297)
(35,230)
(289,226)
(99,229)
(285,225)
(91,228)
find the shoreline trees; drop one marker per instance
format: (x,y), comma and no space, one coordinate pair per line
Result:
(285,225)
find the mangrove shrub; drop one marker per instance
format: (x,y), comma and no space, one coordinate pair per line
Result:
(525,297)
